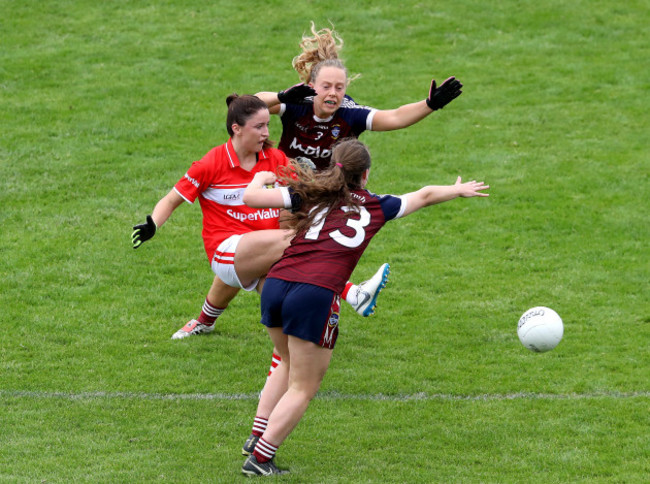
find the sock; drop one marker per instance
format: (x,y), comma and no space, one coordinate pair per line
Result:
(350,293)
(209,313)
(259,426)
(264,451)
(275,361)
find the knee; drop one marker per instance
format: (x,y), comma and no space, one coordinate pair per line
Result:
(284,241)
(306,392)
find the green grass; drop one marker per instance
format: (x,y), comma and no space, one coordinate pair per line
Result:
(105,105)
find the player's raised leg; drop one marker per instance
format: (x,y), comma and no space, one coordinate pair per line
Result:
(258,251)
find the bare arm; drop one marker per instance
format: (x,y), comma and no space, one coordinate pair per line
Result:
(161,212)
(257,195)
(431,195)
(295,94)
(409,114)
(402,117)
(165,207)
(271,100)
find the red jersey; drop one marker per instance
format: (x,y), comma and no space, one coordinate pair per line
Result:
(219,182)
(327,253)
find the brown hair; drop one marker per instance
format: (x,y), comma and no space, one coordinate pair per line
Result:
(241,109)
(319,50)
(330,188)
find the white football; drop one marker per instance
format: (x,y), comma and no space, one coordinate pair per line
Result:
(540,329)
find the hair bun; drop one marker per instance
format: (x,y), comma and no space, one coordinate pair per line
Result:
(231,98)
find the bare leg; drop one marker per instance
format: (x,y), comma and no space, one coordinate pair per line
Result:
(257,251)
(220,293)
(260,286)
(277,383)
(308,365)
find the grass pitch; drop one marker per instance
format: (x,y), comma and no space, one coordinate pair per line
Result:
(105,105)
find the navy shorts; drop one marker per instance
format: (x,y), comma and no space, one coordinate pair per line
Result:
(302,310)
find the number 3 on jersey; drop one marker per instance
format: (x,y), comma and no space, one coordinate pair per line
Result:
(358,225)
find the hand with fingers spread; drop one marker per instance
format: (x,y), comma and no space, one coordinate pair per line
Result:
(471,188)
(143,232)
(440,96)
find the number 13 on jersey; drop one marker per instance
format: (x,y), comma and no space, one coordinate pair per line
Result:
(357,224)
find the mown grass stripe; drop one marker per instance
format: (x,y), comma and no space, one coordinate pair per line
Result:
(323,396)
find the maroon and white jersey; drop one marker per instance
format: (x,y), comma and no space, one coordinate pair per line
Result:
(303,134)
(327,253)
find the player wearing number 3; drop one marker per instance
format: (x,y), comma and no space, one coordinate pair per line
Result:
(335,217)
(318,113)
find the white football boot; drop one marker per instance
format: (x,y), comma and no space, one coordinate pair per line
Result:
(192,328)
(369,291)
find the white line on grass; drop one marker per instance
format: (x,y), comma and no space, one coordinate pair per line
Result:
(324,396)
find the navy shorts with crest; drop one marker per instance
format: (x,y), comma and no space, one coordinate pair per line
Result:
(302,310)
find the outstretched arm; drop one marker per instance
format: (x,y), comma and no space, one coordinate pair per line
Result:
(402,117)
(409,114)
(431,195)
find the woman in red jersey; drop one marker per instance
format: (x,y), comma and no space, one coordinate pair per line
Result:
(240,242)
(232,232)
(335,217)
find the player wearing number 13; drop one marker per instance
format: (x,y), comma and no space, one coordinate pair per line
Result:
(336,217)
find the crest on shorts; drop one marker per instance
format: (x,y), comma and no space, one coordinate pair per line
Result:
(333,321)
(331,331)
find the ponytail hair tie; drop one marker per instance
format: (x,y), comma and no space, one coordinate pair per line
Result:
(339,165)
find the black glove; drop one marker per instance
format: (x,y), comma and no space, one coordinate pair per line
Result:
(143,232)
(443,95)
(295,94)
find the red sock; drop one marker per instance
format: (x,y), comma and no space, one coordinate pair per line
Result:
(264,451)
(209,313)
(275,361)
(259,426)
(344,294)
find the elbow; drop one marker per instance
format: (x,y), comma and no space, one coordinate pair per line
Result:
(251,200)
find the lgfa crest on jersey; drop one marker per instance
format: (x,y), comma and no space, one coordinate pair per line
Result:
(336,131)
